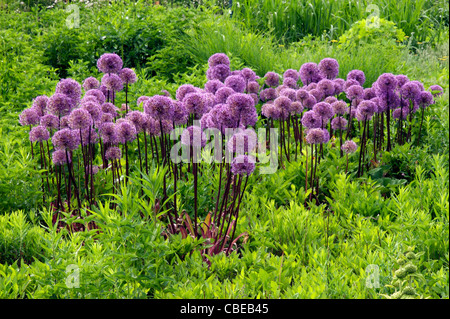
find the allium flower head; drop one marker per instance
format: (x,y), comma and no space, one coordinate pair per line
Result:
(40,104)
(311,120)
(324,110)
(436,90)
(389,100)
(128,76)
(401,113)
(159,107)
(289,93)
(296,107)
(213,85)
(193,136)
(291,73)
(98,94)
(108,133)
(349,147)
(357,75)
(196,104)
(315,136)
(239,103)
(425,99)
(339,123)
(329,68)
(410,90)
(222,94)
(284,103)
(180,114)
(252,87)
(112,82)
(248,74)
(80,119)
(109,108)
(39,134)
(29,117)
(226,118)
(59,104)
(317,94)
(310,73)
(268,94)
(183,90)
(88,136)
(369,94)
(330,99)
(326,87)
(367,108)
(109,63)
(218,58)
(301,94)
(59,157)
(91,83)
(340,107)
(349,83)
(137,118)
(219,72)
(419,84)
(113,153)
(236,82)
(386,82)
(242,142)
(338,86)
(50,121)
(243,165)
(141,100)
(126,131)
(355,92)
(272,79)
(249,117)
(94,110)
(72,89)
(401,80)
(66,139)
(269,110)
(309,102)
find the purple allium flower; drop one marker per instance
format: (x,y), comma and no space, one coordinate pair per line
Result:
(59,104)
(401,80)
(138,119)
(269,110)
(109,108)
(89,98)
(310,73)
(367,108)
(239,103)
(90,83)
(94,110)
(419,84)
(317,94)
(309,102)
(249,117)
(272,79)
(109,63)
(425,99)
(98,94)
(193,136)
(326,87)
(315,136)
(29,117)
(436,90)
(59,157)
(154,126)
(165,93)
(290,83)
(291,73)
(106,117)
(252,87)
(226,118)
(311,86)
(329,68)
(243,165)
(389,100)
(205,121)
(289,93)
(242,142)
(369,94)
(180,114)
(301,95)
(330,99)
(195,103)
(50,121)
(296,107)
(410,90)
(248,74)
(401,112)
(108,133)
(236,82)
(340,107)
(40,104)
(66,139)
(213,85)
(357,75)
(142,99)
(126,131)
(311,120)
(39,134)
(64,122)
(222,94)
(283,103)
(268,94)
(113,153)
(386,82)
(349,147)
(112,82)
(80,119)
(127,76)
(349,83)
(339,123)
(338,86)
(217,59)
(159,107)
(324,110)
(355,92)
(183,90)
(219,72)
(72,89)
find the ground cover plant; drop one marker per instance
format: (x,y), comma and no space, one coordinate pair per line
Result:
(170,153)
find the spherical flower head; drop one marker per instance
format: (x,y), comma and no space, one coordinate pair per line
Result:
(249,117)
(296,107)
(293,74)
(243,165)
(436,90)
(268,94)
(183,90)
(59,157)
(222,94)
(226,118)
(369,94)
(59,105)
(410,90)
(90,83)
(193,136)
(217,59)
(126,131)
(80,119)
(284,104)
(330,99)
(109,108)
(248,74)
(98,94)
(349,147)
(242,142)
(106,117)
(108,133)
(113,153)
(290,83)
(196,104)
(340,107)
(301,94)
(109,63)
(289,93)
(311,86)
(310,73)
(270,111)
(355,92)
(252,87)
(329,68)
(419,84)
(140,101)
(29,117)
(309,102)
(339,123)
(50,121)
(401,80)
(219,72)
(40,104)
(213,85)
(425,99)
(349,83)
(159,107)
(236,82)
(389,100)
(66,139)
(127,75)
(239,103)
(357,75)
(72,89)
(326,87)
(317,94)
(180,114)
(112,82)
(401,113)
(39,134)
(386,82)
(367,108)
(94,110)
(324,110)
(315,136)
(137,118)
(272,79)
(338,86)
(311,120)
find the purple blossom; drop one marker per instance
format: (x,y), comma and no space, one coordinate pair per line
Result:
(126,131)
(112,82)
(339,123)
(252,87)
(195,103)
(59,157)
(329,68)
(268,94)
(401,80)
(311,119)
(301,95)
(243,165)
(72,89)
(367,109)
(310,73)
(193,136)
(222,94)
(39,134)
(340,107)
(242,142)
(324,110)
(66,139)
(289,93)
(29,117)
(369,94)
(386,82)
(425,99)
(248,74)
(401,113)
(239,103)
(91,83)
(113,153)
(309,102)
(180,114)
(128,76)
(355,92)
(138,119)
(290,82)
(436,90)
(109,108)
(317,94)
(269,110)
(142,99)
(50,121)
(315,136)
(109,63)
(183,90)
(80,119)
(40,104)
(98,94)
(410,90)
(296,107)
(236,82)
(226,118)
(272,79)
(59,105)
(291,73)
(338,86)
(284,104)
(88,136)
(159,107)
(349,147)
(357,75)
(217,59)
(326,87)
(219,72)
(108,133)
(213,85)
(330,99)
(94,110)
